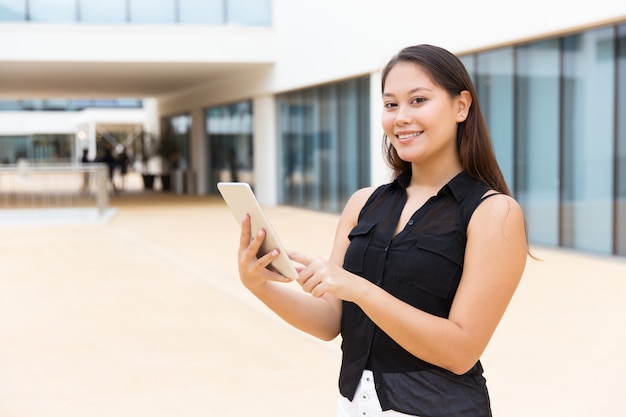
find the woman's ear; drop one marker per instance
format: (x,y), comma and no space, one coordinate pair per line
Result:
(463,104)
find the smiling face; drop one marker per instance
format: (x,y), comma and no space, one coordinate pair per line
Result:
(420,117)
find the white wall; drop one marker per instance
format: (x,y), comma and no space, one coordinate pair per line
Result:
(328,40)
(135,43)
(310,43)
(28,123)
(34,122)
(331,39)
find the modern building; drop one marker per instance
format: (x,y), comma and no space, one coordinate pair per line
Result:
(286,94)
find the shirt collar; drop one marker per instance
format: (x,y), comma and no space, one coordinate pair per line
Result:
(458,186)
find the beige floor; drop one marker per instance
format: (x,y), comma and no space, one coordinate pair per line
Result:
(144,316)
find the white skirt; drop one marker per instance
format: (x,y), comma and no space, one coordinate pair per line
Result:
(365,403)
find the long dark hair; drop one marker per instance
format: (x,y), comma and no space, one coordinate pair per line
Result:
(474,144)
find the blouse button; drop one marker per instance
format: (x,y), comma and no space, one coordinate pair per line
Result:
(411,222)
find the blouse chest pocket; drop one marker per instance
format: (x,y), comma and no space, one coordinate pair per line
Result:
(360,239)
(434,265)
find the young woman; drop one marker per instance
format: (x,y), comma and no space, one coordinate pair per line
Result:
(423,268)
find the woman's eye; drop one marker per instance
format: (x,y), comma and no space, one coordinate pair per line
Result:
(418,100)
(390,105)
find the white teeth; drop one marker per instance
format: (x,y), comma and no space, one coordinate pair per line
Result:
(410,135)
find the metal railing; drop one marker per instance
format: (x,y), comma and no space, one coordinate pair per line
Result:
(30,186)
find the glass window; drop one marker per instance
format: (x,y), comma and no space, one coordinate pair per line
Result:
(620,215)
(51,148)
(10,105)
(32,104)
(56,104)
(324,143)
(14,148)
(97,11)
(537,132)
(293,112)
(81,103)
(129,103)
(495,87)
(152,11)
(52,10)
(587,176)
(468,62)
(249,12)
(13,10)
(202,11)
(175,138)
(229,132)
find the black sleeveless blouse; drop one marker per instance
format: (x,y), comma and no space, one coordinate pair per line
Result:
(422,266)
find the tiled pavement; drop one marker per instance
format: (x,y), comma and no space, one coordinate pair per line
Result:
(144,315)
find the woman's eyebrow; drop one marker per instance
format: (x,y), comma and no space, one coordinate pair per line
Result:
(412,91)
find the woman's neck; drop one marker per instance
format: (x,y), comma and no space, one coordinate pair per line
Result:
(435,176)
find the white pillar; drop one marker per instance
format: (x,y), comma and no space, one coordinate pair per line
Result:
(265,145)
(380,173)
(151,108)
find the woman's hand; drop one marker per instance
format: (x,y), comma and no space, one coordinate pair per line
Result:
(319,277)
(252,270)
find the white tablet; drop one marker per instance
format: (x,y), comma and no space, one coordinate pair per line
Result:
(241,201)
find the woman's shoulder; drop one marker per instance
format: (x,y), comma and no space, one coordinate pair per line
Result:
(497,207)
(359,198)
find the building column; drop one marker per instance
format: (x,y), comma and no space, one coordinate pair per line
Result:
(380,173)
(198,153)
(265,146)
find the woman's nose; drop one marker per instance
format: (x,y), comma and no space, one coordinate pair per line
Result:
(403,115)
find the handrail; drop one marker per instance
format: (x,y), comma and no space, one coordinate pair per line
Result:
(54,186)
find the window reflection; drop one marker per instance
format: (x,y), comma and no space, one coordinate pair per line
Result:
(620,226)
(12,10)
(537,174)
(52,10)
(587,173)
(202,12)
(495,88)
(175,138)
(97,11)
(208,12)
(229,133)
(152,11)
(249,12)
(324,142)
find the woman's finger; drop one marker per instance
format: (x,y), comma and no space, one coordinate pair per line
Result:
(301,258)
(244,237)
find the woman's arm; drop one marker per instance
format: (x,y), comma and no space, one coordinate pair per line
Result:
(318,316)
(494,262)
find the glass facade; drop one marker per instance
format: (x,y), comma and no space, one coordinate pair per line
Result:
(537,139)
(175,141)
(61,104)
(209,12)
(36,148)
(620,146)
(202,12)
(495,86)
(556,110)
(62,11)
(229,135)
(324,144)
(109,12)
(14,148)
(588,77)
